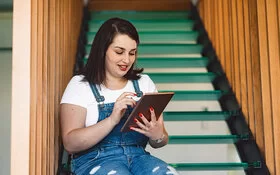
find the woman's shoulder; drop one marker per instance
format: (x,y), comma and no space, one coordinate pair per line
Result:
(144,78)
(146,83)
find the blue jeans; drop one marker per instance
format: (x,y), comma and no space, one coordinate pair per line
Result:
(120,160)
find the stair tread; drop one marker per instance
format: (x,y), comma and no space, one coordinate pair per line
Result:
(185,77)
(210,166)
(204,139)
(140,14)
(196,95)
(161,49)
(197,115)
(175,62)
(187,25)
(161,38)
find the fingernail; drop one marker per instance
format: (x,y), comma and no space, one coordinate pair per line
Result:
(131,128)
(141,115)
(135,94)
(151,109)
(135,120)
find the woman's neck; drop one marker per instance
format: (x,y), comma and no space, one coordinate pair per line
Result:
(115,83)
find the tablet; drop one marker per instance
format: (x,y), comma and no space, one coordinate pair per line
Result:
(158,101)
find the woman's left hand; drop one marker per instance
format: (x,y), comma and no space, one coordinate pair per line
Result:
(153,129)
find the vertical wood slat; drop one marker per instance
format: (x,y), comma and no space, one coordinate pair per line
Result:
(34,45)
(221,44)
(258,120)
(45,89)
(235,49)
(274,62)
(53,155)
(242,58)
(248,48)
(39,151)
(265,82)
(216,24)
(54,42)
(227,43)
(248,67)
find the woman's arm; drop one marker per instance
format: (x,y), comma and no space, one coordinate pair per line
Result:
(76,137)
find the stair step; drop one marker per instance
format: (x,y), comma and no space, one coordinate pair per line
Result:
(153,25)
(165,62)
(196,95)
(184,86)
(205,139)
(142,15)
(197,116)
(164,49)
(175,62)
(210,166)
(161,38)
(193,105)
(182,128)
(172,77)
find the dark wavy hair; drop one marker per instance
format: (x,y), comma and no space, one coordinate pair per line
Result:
(94,70)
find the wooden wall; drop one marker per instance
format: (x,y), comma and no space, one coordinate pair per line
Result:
(246,37)
(139,5)
(55,27)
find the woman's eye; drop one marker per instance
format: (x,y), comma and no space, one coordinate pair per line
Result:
(119,53)
(132,54)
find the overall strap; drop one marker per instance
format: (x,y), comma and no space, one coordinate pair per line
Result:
(99,98)
(137,89)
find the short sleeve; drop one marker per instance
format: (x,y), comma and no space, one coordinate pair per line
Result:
(147,84)
(75,92)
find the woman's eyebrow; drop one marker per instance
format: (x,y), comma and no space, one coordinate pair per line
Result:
(119,47)
(124,48)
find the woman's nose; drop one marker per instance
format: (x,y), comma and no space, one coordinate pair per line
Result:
(126,58)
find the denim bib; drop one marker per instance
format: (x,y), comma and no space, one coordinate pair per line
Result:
(116,137)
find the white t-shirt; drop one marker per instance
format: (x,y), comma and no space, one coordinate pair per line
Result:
(79,93)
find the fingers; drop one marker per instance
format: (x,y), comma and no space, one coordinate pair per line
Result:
(125,95)
(153,115)
(143,118)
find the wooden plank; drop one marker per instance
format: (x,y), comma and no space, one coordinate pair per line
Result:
(242,58)
(212,19)
(45,84)
(235,58)
(227,34)
(221,45)
(58,90)
(53,154)
(265,85)
(145,5)
(258,121)
(217,27)
(201,10)
(273,42)
(250,117)
(208,16)
(39,105)
(33,75)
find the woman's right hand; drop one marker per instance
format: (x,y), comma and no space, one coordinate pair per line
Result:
(121,105)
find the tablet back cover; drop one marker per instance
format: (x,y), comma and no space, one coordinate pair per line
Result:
(156,100)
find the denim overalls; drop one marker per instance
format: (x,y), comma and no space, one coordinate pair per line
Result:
(119,153)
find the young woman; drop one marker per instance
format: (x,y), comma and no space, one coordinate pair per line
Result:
(97,102)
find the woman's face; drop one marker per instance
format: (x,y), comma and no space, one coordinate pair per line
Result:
(120,56)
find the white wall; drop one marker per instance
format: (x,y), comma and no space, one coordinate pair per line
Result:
(5,91)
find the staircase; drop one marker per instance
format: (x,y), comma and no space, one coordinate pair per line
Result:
(170,51)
